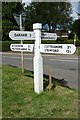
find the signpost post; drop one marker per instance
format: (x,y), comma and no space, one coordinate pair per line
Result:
(38,60)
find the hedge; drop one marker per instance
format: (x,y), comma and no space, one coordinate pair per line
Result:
(0,45)
(5,45)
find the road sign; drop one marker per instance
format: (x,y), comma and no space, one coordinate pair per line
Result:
(49,36)
(38,49)
(58,48)
(22,35)
(17,18)
(22,47)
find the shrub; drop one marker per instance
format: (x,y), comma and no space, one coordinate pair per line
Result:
(0,45)
(78,42)
(6,45)
(71,35)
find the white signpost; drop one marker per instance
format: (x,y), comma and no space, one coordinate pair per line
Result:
(22,35)
(22,47)
(58,48)
(48,36)
(38,49)
(38,60)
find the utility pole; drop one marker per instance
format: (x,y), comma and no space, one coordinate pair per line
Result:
(74,39)
(22,60)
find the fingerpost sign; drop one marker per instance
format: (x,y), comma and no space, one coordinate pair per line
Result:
(38,49)
(57,48)
(22,35)
(22,47)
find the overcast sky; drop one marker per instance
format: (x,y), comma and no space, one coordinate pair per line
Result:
(74,6)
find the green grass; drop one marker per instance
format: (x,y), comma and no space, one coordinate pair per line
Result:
(20,100)
(77,51)
(0,91)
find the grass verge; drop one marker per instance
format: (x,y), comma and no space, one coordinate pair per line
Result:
(77,51)
(20,101)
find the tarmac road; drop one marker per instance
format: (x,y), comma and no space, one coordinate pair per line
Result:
(61,66)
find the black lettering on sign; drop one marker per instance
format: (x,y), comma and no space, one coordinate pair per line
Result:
(15,35)
(68,47)
(28,47)
(68,51)
(46,46)
(25,34)
(53,46)
(17,48)
(19,35)
(46,49)
(23,48)
(30,35)
(18,45)
(51,50)
(13,48)
(55,50)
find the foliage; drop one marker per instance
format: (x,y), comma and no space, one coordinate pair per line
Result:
(78,51)
(7,25)
(47,12)
(8,21)
(71,35)
(6,45)
(76,27)
(78,42)
(50,13)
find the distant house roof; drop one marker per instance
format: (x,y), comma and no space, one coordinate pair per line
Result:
(59,30)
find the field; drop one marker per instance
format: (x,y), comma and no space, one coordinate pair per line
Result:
(20,101)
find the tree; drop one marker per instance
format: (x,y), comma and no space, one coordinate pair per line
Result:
(76,24)
(50,13)
(76,27)
(8,22)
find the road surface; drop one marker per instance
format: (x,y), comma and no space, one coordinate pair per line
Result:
(61,66)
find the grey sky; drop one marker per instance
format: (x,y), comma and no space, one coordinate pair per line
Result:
(75,9)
